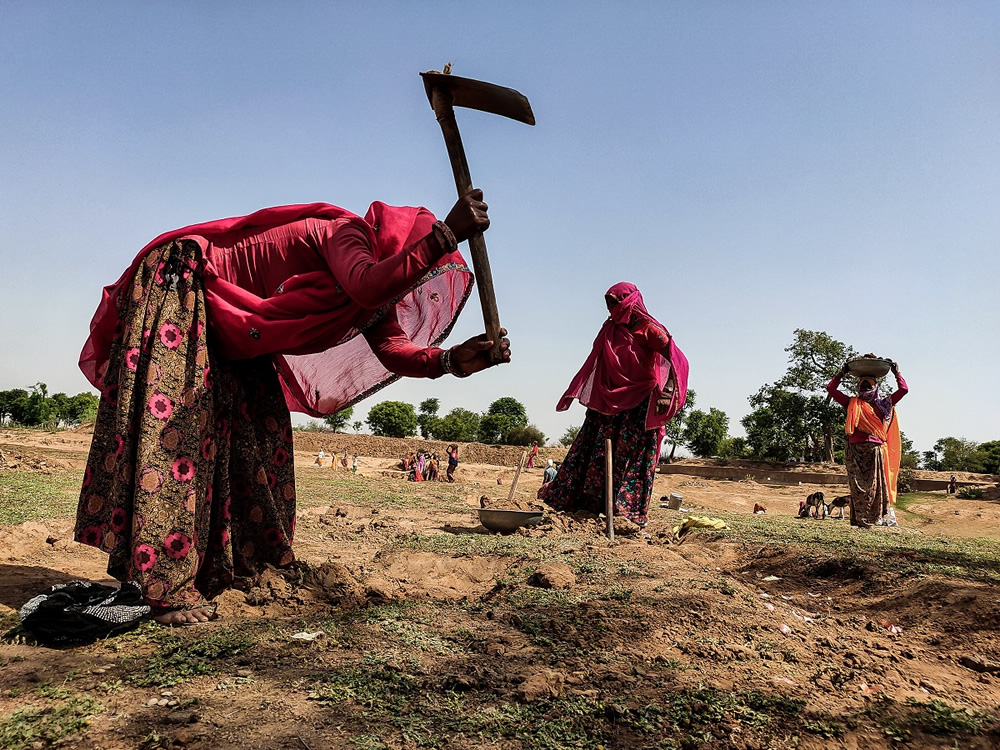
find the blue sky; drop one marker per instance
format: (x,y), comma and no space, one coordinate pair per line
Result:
(753,167)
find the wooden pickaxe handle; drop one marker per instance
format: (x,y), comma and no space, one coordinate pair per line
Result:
(445,113)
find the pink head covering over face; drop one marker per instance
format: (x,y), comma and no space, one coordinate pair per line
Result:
(324,365)
(621,372)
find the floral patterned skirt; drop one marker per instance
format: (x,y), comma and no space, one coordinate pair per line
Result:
(579,484)
(866,476)
(189,486)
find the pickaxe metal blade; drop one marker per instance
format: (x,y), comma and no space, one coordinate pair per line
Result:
(486,97)
(446,92)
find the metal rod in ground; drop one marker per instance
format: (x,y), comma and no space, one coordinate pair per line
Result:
(609,506)
(517,475)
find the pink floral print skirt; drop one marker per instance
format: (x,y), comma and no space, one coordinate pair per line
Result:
(189,486)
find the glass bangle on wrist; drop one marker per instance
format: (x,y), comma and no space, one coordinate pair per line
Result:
(445,236)
(448,367)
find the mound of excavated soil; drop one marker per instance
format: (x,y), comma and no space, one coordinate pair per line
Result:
(30,464)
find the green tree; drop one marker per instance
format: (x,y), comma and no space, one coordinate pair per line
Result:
(705,433)
(338,421)
(74,410)
(909,458)
(675,427)
(428,413)
(813,358)
(34,410)
(524,436)
(733,447)
(503,416)
(356,425)
(457,426)
(776,428)
(794,416)
(393,419)
(12,403)
(955,454)
(569,436)
(991,456)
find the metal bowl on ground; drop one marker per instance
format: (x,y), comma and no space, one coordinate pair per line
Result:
(506,521)
(869,367)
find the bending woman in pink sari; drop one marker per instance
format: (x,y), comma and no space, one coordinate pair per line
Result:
(633,383)
(206,342)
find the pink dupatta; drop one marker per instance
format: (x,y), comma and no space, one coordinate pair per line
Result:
(621,373)
(324,366)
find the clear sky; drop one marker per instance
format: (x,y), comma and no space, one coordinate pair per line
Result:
(753,167)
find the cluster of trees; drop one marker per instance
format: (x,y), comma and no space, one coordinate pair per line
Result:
(504,422)
(959,454)
(34,407)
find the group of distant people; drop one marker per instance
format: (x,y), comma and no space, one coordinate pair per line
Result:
(424,466)
(353,465)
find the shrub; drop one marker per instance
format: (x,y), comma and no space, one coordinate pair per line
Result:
(970,493)
(524,436)
(904,482)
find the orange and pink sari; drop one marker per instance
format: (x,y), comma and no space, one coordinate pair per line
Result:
(872,468)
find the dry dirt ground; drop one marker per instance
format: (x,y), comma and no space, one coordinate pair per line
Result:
(427,632)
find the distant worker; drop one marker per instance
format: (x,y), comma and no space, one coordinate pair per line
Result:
(873,447)
(532,455)
(452,462)
(550,472)
(953,485)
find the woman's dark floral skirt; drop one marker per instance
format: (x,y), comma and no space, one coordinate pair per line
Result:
(189,486)
(579,484)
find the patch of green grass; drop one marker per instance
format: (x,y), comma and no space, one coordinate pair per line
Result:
(177,659)
(487,545)
(937,717)
(899,551)
(325,487)
(905,499)
(618,593)
(32,497)
(375,684)
(826,729)
(30,726)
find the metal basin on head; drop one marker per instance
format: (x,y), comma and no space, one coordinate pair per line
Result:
(868,367)
(506,521)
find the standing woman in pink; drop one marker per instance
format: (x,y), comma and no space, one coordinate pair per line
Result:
(633,383)
(206,342)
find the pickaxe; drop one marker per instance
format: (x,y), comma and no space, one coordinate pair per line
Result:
(446,92)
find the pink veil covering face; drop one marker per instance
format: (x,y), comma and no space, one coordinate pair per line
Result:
(621,373)
(317,379)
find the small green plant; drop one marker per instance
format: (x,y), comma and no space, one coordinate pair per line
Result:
(178,659)
(32,727)
(970,493)
(618,594)
(937,717)
(826,729)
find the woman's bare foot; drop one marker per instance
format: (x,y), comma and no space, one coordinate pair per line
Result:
(186,616)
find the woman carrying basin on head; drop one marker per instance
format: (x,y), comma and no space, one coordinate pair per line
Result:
(873,447)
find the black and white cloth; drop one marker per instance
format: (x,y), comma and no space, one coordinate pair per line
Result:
(82,612)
